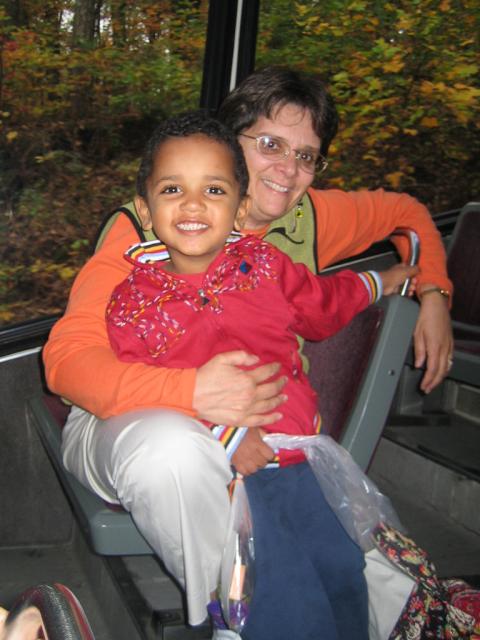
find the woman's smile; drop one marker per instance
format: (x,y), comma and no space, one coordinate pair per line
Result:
(275,186)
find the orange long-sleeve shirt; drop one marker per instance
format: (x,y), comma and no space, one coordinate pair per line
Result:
(80,364)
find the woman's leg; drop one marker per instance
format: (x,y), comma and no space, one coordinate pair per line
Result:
(169,472)
(309,574)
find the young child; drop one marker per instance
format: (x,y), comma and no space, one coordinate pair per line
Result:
(206,289)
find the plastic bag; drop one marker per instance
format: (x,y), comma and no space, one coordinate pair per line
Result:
(237,570)
(354,498)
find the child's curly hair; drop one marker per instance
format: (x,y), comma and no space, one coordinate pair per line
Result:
(183,126)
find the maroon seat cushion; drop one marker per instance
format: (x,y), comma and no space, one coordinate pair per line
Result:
(337,367)
(57,408)
(464,268)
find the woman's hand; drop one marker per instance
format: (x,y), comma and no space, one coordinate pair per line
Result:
(433,340)
(226,394)
(252,453)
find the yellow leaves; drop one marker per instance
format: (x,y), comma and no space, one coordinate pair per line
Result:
(375,84)
(66,273)
(430,122)
(462,72)
(389,57)
(62,271)
(378,162)
(459,99)
(337,182)
(464,103)
(466,70)
(394,179)
(405,23)
(48,157)
(5,314)
(342,76)
(11,135)
(445,5)
(464,94)
(428,88)
(394,65)
(357,5)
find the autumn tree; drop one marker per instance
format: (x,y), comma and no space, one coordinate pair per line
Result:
(79,94)
(83,82)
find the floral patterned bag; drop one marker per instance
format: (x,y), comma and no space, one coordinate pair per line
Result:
(434,609)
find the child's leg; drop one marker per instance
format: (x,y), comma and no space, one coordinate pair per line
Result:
(309,574)
(338,560)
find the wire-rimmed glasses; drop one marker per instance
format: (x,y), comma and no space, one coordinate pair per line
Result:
(276,148)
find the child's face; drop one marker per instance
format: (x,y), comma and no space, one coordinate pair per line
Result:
(193,201)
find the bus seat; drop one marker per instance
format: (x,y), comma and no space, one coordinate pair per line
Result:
(464,270)
(108,528)
(356,373)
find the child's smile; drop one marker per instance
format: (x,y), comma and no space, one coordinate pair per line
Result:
(192,226)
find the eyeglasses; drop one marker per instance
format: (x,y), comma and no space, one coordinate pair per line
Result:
(277,149)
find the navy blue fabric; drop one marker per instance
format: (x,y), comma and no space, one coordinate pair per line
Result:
(309,581)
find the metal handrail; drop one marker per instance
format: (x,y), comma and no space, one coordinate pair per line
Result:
(413,254)
(53,609)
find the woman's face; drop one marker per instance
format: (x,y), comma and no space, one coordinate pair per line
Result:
(277,185)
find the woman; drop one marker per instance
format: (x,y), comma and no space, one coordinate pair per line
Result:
(130,438)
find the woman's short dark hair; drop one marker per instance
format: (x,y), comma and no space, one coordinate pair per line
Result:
(184,126)
(264,91)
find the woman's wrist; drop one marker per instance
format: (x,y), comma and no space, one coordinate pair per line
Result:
(434,291)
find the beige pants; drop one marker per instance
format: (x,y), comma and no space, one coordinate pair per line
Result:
(169,472)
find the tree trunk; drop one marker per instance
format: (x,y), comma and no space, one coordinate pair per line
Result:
(17,12)
(118,9)
(85,18)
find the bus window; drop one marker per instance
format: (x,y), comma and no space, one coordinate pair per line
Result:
(405,79)
(81,87)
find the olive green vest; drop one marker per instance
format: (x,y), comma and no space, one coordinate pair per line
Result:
(295,234)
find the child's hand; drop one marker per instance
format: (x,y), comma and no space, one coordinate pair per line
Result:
(252,453)
(393,279)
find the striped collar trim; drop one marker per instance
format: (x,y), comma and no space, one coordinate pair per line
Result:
(156,251)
